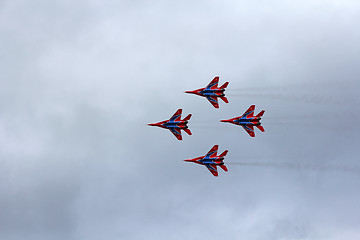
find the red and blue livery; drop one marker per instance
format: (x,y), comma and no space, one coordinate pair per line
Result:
(248,121)
(175,124)
(211,160)
(212,92)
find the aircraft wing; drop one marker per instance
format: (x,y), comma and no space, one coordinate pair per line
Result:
(213,151)
(213,84)
(176,132)
(176,116)
(249,113)
(212,168)
(249,129)
(213,100)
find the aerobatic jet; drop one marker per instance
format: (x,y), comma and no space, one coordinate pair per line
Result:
(248,121)
(175,124)
(212,92)
(211,160)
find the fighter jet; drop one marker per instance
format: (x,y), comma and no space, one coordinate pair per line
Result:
(210,160)
(248,121)
(175,124)
(212,92)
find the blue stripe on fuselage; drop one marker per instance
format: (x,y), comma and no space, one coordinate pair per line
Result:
(208,159)
(211,92)
(172,125)
(210,162)
(243,120)
(247,121)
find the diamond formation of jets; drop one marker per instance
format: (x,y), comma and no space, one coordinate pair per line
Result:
(212,92)
(175,124)
(211,160)
(248,121)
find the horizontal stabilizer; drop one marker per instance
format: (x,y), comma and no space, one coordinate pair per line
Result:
(188,131)
(187,117)
(260,113)
(224,168)
(224,153)
(224,99)
(260,128)
(224,85)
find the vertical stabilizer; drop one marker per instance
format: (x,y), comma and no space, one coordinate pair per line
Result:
(260,113)
(187,117)
(224,153)
(188,131)
(224,85)
(224,168)
(260,128)
(224,99)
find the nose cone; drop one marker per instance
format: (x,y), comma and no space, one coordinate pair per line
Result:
(188,160)
(226,120)
(193,92)
(153,124)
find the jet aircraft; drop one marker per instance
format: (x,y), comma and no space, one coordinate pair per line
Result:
(175,124)
(248,121)
(211,160)
(212,92)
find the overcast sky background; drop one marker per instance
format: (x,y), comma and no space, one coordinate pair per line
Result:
(81,79)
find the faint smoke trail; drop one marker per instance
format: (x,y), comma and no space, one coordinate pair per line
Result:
(266,88)
(253,89)
(299,166)
(308,98)
(328,86)
(345,114)
(203,124)
(204,127)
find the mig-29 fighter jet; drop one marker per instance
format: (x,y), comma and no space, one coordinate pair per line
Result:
(212,92)
(211,160)
(248,121)
(175,124)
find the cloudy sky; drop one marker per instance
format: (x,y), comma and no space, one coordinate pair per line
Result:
(81,79)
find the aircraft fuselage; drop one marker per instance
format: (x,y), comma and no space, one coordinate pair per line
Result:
(207,160)
(211,92)
(252,121)
(179,124)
